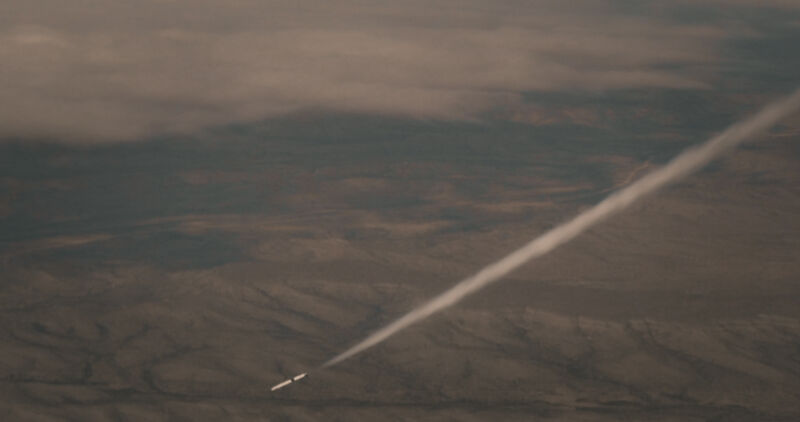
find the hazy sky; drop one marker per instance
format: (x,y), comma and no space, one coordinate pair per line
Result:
(99,70)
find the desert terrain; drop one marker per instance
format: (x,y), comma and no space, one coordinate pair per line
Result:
(179,281)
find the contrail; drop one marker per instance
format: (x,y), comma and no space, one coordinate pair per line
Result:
(684,164)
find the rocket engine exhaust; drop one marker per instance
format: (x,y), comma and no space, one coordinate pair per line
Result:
(689,161)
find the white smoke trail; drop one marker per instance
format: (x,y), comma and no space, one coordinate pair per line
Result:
(687,162)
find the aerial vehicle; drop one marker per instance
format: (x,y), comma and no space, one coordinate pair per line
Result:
(289,381)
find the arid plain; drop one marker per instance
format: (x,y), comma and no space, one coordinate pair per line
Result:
(179,281)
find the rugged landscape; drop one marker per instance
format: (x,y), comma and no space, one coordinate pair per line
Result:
(180,280)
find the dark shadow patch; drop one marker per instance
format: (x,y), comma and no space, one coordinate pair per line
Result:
(169,250)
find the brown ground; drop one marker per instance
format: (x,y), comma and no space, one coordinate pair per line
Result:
(686,307)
